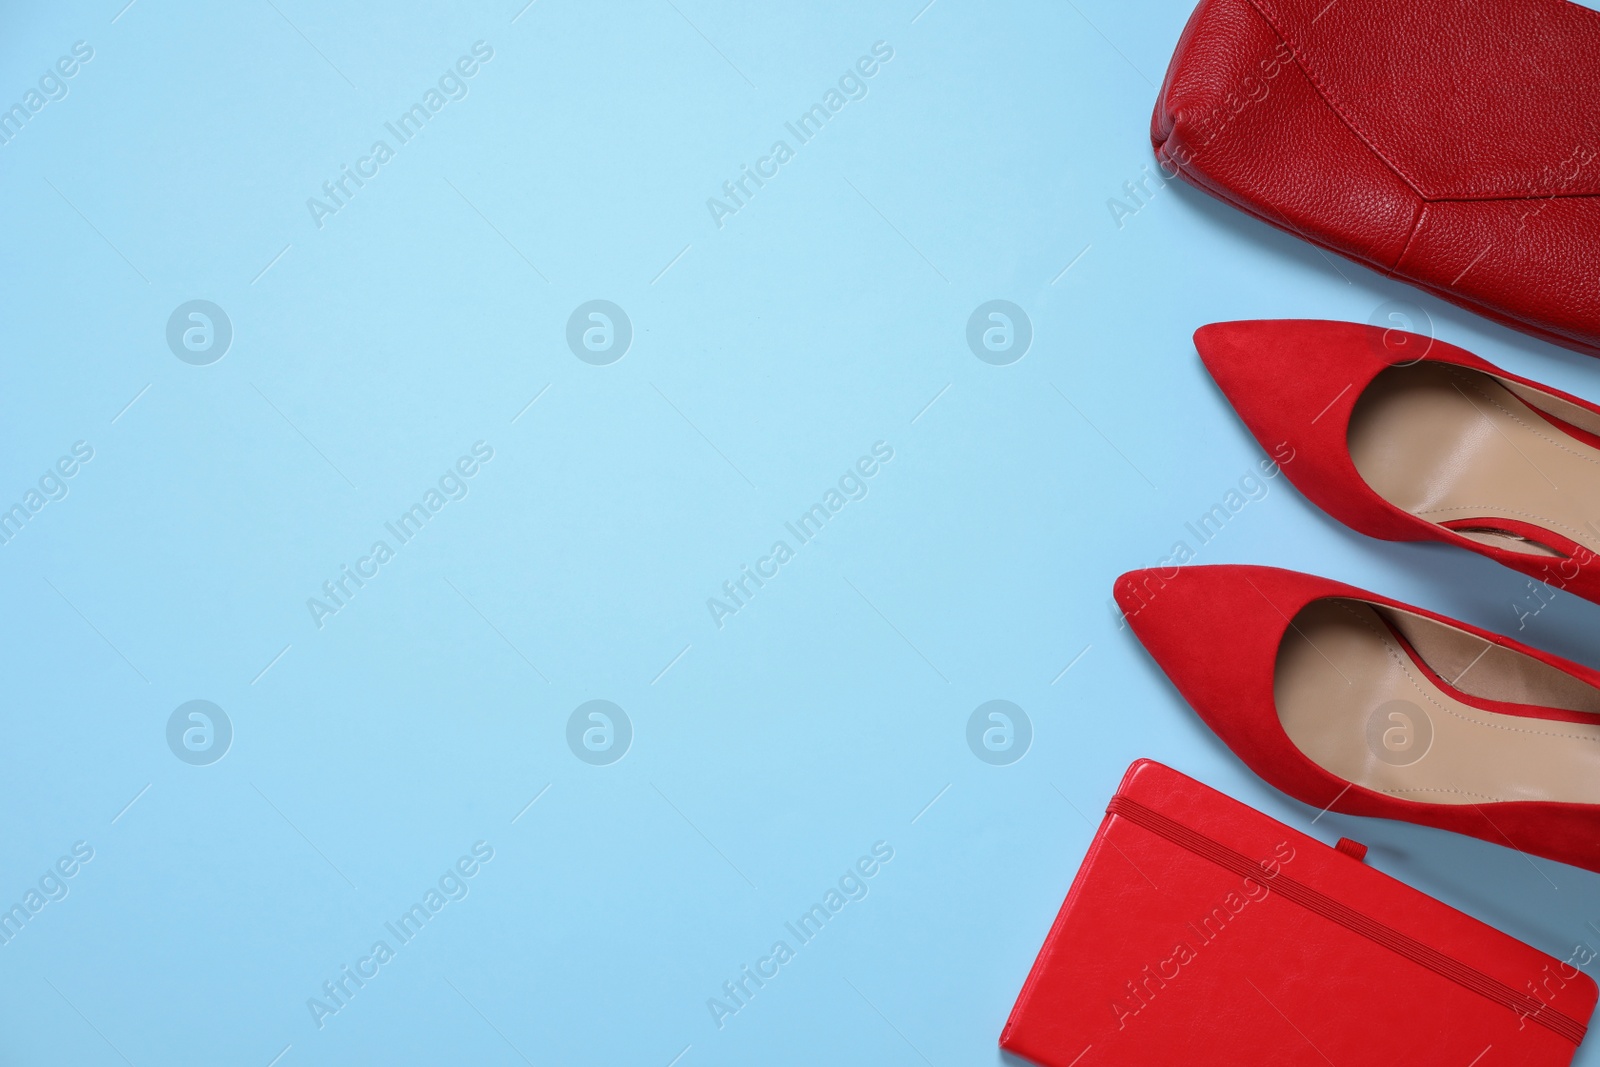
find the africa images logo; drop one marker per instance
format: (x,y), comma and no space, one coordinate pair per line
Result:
(599,332)
(199,733)
(1189,950)
(852,886)
(599,732)
(452,886)
(999,733)
(999,332)
(199,332)
(852,485)
(339,591)
(52,86)
(452,85)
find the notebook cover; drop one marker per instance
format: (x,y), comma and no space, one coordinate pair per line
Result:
(1197,926)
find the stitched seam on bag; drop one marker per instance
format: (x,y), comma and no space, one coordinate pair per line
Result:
(1510,199)
(1328,101)
(1338,109)
(1327,97)
(1379,933)
(1256,211)
(1416,228)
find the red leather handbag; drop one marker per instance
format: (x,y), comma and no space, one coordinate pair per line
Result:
(1453,145)
(1200,931)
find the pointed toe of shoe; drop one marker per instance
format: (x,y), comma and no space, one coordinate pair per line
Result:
(1187,619)
(1295,384)
(1215,632)
(1279,374)
(1246,347)
(1238,350)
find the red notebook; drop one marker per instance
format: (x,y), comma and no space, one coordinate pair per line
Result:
(1200,931)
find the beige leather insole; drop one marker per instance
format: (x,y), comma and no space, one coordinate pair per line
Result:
(1446,443)
(1354,701)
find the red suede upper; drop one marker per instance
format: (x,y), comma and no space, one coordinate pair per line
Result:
(1296,382)
(1453,145)
(1216,630)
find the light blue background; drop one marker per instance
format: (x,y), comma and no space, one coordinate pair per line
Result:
(825,716)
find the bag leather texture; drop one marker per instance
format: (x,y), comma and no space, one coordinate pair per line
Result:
(1454,145)
(1201,931)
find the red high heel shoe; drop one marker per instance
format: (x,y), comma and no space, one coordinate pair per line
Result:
(1355,703)
(1410,439)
